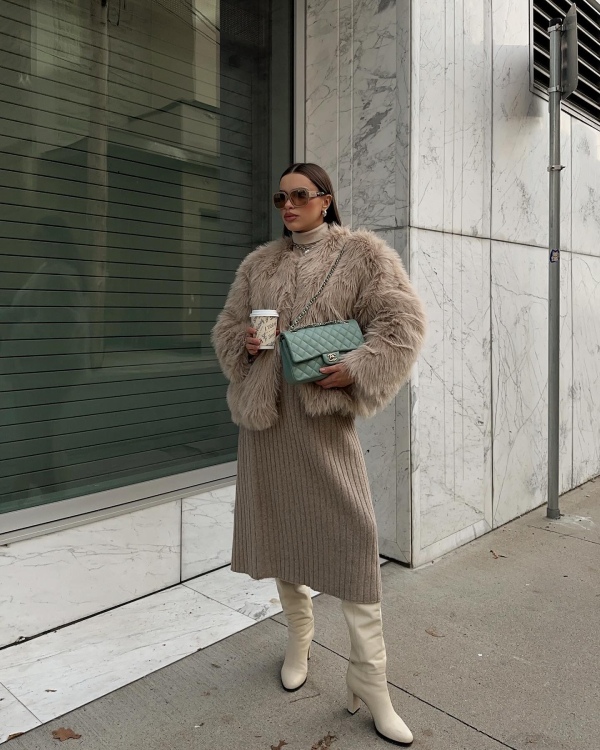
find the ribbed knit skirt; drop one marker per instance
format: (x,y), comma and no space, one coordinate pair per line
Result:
(303,509)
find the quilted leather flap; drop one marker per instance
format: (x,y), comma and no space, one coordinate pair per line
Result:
(308,343)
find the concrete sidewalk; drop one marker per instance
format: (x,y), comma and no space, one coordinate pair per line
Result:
(495,646)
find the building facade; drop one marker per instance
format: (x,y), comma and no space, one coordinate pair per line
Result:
(140,143)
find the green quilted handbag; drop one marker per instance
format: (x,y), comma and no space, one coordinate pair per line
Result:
(305,350)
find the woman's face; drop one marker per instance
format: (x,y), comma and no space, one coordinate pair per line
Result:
(302,218)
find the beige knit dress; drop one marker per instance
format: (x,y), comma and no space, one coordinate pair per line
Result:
(303,509)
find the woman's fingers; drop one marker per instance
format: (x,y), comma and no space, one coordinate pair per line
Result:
(337,377)
(252,343)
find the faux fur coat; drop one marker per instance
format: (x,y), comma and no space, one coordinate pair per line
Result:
(369,285)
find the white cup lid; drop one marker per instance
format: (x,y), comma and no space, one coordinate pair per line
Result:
(264,313)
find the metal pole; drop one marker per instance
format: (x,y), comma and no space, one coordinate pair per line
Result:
(554,168)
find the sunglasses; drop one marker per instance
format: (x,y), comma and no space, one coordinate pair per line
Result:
(297,196)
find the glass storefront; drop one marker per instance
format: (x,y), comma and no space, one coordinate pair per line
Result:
(139,142)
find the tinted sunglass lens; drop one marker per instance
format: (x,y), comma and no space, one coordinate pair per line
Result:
(299,197)
(279,200)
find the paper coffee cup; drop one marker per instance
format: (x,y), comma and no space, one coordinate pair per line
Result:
(265,322)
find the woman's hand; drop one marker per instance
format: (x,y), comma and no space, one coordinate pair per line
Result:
(252,343)
(338,377)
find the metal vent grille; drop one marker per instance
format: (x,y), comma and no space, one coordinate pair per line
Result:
(586,99)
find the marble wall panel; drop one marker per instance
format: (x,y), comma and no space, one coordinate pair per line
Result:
(323,87)
(586,189)
(357,105)
(453,421)
(386,442)
(520,374)
(345,109)
(375,112)
(586,369)
(55,579)
(401,549)
(404,404)
(520,138)
(378,440)
(566,473)
(206,531)
(451,124)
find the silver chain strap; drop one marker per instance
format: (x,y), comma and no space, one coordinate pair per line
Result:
(294,323)
(318,325)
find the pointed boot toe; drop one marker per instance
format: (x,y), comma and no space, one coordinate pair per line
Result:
(366,676)
(374,693)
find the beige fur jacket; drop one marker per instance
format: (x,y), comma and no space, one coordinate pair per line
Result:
(369,285)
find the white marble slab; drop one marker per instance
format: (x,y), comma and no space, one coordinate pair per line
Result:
(586,189)
(14,717)
(520,138)
(385,441)
(519,365)
(448,544)
(454,384)
(520,369)
(55,579)
(375,114)
(566,479)
(92,658)
(451,124)
(357,105)
(323,71)
(256,599)
(206,531)
(404,402)
(586,368)
(343,49)
(378,440)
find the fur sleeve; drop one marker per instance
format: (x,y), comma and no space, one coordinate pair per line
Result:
(392,318)
(229,333)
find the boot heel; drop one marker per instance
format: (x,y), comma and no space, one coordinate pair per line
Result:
(353,702)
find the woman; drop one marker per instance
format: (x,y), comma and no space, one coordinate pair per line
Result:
(303,512)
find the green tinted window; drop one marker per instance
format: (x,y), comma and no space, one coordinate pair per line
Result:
(137,145)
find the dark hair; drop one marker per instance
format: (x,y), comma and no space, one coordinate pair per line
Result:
(319,177)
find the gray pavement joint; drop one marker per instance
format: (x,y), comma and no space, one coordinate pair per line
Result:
(564,534)
(452,716)
(416,697)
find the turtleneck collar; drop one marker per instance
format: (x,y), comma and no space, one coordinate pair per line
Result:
(312,236)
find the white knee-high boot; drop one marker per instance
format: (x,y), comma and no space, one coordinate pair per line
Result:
(297,607)
(366,676)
